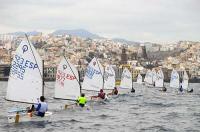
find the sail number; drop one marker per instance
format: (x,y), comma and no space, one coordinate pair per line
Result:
(19,66)
(91,71)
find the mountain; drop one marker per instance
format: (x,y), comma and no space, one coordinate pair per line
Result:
(32,33)
(125,41)
(77,32)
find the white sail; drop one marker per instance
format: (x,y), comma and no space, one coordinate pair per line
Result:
(25,80)
(149,77)
(185,81)
(109,78)
(154,75)
(159,82)
(174,81)
(126,79)
(67,81)
(139,79)
(93,79)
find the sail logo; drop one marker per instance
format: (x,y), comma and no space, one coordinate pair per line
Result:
(19,66)
(90,71)
(24,48)
(64,67)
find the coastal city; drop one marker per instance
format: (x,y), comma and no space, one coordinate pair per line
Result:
(182,55)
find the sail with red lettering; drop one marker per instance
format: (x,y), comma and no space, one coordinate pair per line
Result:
(67,81)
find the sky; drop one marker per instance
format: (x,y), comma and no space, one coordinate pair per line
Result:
(137,20)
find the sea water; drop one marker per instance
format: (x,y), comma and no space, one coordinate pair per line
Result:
(146,110)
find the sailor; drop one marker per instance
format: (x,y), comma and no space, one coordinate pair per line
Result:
(114,91)
(101,95)
(41,107)
(132,90)
(82,100)
(164,89)
(181,88)
(190,91)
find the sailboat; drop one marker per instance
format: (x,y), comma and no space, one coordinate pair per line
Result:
(149,78)
(174,81)
(159,81)
(93,79)
(126,83)
(109,79)
(67,85)
(185,82)
(139,79)
(25,82)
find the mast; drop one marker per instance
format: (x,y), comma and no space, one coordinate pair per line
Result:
(42,77)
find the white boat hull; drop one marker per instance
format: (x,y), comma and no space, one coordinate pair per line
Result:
(26,117)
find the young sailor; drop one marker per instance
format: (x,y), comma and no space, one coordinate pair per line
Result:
(101,95)
(40,108)
(82,100)
(181,88)
(114,91)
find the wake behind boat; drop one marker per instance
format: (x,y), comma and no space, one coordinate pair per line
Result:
(25,82)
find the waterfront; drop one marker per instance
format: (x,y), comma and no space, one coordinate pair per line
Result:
(146,110)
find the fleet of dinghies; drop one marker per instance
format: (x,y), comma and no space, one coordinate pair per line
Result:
(26,83)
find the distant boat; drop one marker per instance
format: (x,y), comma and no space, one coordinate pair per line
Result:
(126,81)
(159,82)
(93,79)
(174,81)
(185,81)
(149,78)
(25,82)
(67,85)
(139,79)
(109,79)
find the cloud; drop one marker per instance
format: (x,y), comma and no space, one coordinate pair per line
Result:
(138,20)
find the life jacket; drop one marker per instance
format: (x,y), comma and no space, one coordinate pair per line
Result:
(42,107)
(102,95)
(82,100)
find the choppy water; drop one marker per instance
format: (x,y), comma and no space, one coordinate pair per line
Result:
(146,110)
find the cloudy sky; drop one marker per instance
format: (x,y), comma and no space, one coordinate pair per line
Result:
(137,20)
